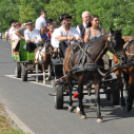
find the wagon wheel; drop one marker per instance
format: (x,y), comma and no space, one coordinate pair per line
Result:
(59,96)
(18,70)
(108,95)
(23,73)
(115,93)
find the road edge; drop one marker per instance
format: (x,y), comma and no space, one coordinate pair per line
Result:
(14,120)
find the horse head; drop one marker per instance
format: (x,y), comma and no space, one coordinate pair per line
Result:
(115,41)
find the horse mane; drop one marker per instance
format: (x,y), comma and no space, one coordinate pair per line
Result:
(47,44)
(95,40)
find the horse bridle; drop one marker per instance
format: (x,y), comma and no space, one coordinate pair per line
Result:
(112,42)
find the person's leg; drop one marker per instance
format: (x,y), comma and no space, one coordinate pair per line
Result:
(30,46)
(62,47)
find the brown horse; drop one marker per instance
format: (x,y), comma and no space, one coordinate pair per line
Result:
(128,75)
(43,59)
(94,50)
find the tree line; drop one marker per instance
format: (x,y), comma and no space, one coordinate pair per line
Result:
(112,13)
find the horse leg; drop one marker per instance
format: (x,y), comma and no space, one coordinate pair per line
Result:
(78,107)
(130,95)
(97,89)
(118,73)
(80,96)
(37,73)
(129,100)
(49,72)
(43,68)
(70,106)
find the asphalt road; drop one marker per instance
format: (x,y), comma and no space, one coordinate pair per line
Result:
(35,108)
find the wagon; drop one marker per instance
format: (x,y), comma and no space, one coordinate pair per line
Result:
(109,85)
(23,60)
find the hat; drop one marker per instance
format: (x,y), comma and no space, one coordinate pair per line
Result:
(12,21)
(29,22)
(49,20)
(65,16)
(17,24)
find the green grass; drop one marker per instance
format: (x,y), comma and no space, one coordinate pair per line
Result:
(11,132)
(5,127)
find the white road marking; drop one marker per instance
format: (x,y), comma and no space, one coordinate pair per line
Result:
(30,75)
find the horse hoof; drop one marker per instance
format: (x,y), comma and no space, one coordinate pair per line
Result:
(70,108)
(128,109)
(99,120)
(44,83)
(83,116)
(47,79)
(77,110)
(123,108)
(37,81)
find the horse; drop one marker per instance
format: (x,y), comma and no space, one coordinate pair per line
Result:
(43,60)
(92,53)
(128,75)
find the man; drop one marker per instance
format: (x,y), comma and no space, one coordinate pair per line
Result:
(82,27)
(32,37)
(11,30)
(20,31)
(66,34)
(49,22)
(55,24)
(41,22)
(6,35)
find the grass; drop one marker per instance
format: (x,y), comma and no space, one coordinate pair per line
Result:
(5,127)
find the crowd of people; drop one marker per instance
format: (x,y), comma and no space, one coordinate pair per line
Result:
(61,36)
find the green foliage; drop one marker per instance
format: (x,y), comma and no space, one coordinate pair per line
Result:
(56,8)
(8,10)
(112,13)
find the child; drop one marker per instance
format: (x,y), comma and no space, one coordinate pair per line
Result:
(51,30)
(43,34)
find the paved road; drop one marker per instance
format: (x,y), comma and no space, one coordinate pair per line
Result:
(34,107)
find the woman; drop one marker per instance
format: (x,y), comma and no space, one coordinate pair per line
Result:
(94,30)
(16,26)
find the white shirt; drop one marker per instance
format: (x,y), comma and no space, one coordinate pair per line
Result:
(14,36)
(40,22)
(54,41)
(79,29)
(73,33)
(34,35)
(11,30)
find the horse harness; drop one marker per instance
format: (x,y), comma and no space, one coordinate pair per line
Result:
(81,66)
(46,51)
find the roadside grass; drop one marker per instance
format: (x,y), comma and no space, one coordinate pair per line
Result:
(5,127)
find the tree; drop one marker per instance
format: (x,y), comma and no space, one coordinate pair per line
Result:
(8,10)
(56,8)
(111,13)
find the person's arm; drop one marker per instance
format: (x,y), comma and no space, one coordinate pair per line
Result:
(103,31)
(86,36)
(19,35)
(77,35)
(78,30)
(61,38)
(38,36)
